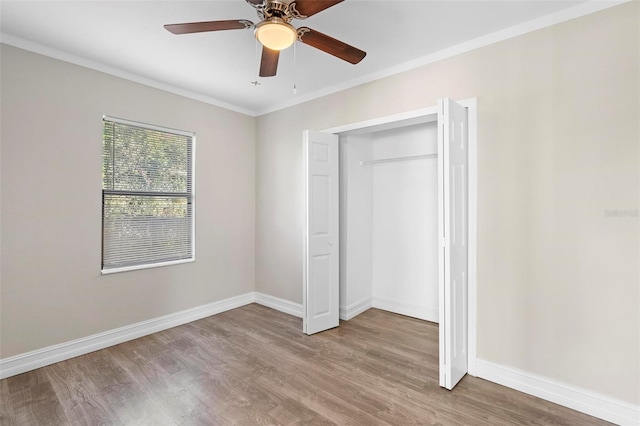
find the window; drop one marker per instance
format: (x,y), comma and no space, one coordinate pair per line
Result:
(147,196)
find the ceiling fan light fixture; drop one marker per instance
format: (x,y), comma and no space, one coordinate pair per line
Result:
(275,34)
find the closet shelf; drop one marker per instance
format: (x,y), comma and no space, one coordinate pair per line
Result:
(389,160)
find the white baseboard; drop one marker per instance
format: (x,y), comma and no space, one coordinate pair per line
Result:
(355,309)
(278,304)
(408,309)
(588,402)
(582,400)
(63,351)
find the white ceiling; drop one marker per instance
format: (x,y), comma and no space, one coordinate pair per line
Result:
(128,37)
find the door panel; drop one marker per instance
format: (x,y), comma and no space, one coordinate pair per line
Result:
(320,269)
(321,295)
(453,171)
(320,190)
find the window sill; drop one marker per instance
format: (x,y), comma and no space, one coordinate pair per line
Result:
(149,266)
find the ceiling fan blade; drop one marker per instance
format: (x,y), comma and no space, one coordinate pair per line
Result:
(199,27)
(255,2)
(306,8)
(269,62)
(330,45)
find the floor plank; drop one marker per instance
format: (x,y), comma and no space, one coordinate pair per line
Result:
(254,366)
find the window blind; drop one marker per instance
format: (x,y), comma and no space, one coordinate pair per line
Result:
(147,195)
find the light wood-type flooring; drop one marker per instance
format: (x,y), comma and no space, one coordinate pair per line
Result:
(253,365)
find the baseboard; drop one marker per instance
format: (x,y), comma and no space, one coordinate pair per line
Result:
(278,304)
(582,400)
(56,353)
(355,309)
(587,402)
(408,309)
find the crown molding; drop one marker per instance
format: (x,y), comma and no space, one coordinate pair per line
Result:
(467,46)
(31,46)
(498,36)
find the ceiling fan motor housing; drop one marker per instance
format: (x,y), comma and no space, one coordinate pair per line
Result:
(278,9)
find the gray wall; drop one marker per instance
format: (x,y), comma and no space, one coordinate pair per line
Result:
(51,287)
(558,280)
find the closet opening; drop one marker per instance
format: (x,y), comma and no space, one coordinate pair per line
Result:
(389,219)
(390,223)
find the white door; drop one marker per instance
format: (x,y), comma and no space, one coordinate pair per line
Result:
(321,289)
(452,215)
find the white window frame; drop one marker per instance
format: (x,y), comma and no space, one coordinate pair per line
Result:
(147,126)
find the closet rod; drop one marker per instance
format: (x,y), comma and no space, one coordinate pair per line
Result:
(389,160)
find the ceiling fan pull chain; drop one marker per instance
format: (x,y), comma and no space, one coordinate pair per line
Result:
(295,74)
(257,62)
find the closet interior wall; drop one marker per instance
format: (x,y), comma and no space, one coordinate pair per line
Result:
(389,222)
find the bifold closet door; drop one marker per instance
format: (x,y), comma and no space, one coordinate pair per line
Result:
(321,268)
(452,221)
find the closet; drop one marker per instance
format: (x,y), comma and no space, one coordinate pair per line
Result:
(389,220)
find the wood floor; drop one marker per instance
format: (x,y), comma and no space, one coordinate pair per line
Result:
(253,365)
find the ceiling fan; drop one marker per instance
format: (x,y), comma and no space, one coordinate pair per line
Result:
(275,32)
